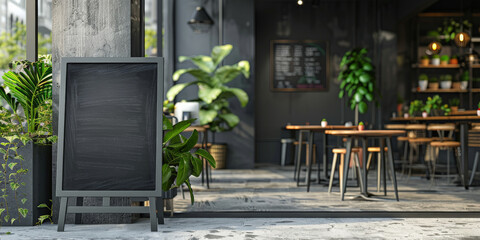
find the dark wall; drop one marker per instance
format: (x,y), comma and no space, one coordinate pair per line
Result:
(239,31)
(345,25)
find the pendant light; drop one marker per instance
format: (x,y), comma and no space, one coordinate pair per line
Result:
(435,47)
(462,39)
(201,21)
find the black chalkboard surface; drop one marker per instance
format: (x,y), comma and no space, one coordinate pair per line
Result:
(111,125)
(298,65)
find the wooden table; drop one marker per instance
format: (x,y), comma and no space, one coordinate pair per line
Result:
(204,131)
(310,130)
(384,136)
(464,122)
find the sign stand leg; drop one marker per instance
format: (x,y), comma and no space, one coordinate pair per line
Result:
(78,216)
(153,214)
(62,214)
(160,207)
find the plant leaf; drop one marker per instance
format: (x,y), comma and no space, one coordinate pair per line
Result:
(205,63)
(195,72)
(203,153)
(241,95)
(23,212)
(192,198)
(207,116)
(197,166)
(208,94)
(177,129)
(231,119)
(166,175)
(362,107)
(220,52)
(184,169)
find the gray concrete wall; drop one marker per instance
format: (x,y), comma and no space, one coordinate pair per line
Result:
(238,31)
(88,28)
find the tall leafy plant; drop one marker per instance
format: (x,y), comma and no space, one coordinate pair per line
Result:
(213,93)
(179,163)
(357,78)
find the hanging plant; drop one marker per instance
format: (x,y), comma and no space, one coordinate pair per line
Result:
(358,79)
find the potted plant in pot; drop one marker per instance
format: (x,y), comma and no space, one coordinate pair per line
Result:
(454,102)
(464,79)
(416,108)
(213,93)
(456,83)
(446,81)
(26,150)
(179,163)
(444,60)
(423,82)
(478,109)
(435,60)
(433,105)
(424,60)
(324,122)
(454,59)
(361,126)
(357,78)
(433,83)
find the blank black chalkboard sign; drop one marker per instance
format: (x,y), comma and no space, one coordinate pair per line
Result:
(110,127)
(298,65)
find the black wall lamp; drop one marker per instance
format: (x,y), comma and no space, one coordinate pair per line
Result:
(200,21)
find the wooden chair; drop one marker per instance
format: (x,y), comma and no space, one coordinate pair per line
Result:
(356,165)
(443,142)
(417,138)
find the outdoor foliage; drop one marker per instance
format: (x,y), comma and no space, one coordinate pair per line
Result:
(213,93)
(357,78)
(178,161)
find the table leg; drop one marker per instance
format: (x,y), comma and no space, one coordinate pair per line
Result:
(309,161)
(464,152)
(325,158)
(298,162)
(346,167)
(364,166)
(392,166)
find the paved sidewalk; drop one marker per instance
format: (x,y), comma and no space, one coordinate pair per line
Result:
(262,228)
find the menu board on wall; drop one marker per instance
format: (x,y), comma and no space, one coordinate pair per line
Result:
(298,65)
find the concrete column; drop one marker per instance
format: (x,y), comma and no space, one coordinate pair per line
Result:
(90,28)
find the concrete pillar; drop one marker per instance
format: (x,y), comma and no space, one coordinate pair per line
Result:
(91,28)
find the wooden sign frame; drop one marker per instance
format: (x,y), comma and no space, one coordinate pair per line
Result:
(154,196)
(326,72)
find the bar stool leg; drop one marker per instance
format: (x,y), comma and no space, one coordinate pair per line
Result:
(298,155)
(345,167)
(448,164)
(332,173)
(460,165)
(359,171)
(341,172)
(284,153)
(475,164)
(379,173)
(434,165)
(405,153)
(392,168)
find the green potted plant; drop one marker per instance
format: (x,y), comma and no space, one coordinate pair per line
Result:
(357,78)
(454,103)
(444,60)
(435,60)
(433,105)
(433,83)
(324,122)
(423,82)
(213,93)
(26,128)
(424,60)
(456,83)
(361,126)
(446,81)
(464,79)
(478,109)
(416,108)
(454,59)
(179,162)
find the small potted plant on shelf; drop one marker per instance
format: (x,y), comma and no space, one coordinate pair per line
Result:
(444,60)
(324,122)
(361,126)
(433,83)
(464,79)
(424,60)
(456,84)
(446,81)
(416,108)
(433,105)
(454,102)
(422,82)
(424,113)
(435,60)
(478,109)
(454,59)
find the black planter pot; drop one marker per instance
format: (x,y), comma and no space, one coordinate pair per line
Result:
(38,184)
(170,194)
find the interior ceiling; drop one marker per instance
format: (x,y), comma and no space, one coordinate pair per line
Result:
(455,6)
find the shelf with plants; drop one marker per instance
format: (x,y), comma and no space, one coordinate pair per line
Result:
(451,90)
(439,66)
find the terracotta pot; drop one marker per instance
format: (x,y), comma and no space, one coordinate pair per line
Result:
(433,85)
(361,127)
(424,62)
(456,85)
(454,61)
(443,63)
(454,108)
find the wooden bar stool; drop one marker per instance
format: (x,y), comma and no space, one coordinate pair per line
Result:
(356,165)
(416,138)
(380,165)
(443,142)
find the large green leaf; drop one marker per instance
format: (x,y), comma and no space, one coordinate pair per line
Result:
(241,95)
(203,153)
(231,119)
(167,125)
(192,198)
(166,175)
(208,94)
(362,107)
(197,73)
(177,129)
(184,169)
(176,89)
(207,116)
(227,73)
(220,52)
(203,62)
(197,166)
(12,102)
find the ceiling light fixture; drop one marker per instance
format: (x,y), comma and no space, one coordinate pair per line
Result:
(435,47)
(300,2)
(462,39)
(201,21)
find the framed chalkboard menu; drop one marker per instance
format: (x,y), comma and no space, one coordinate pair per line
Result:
(298,65)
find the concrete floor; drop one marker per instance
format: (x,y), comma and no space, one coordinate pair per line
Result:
(241,228)
(272,188)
